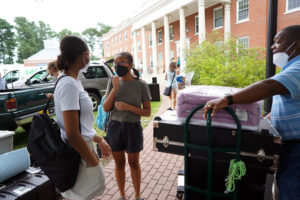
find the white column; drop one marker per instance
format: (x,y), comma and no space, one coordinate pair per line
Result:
(227,20)
(135,50)
(144,51)
(167,42)
(201,21)
(154,47)
(182,38)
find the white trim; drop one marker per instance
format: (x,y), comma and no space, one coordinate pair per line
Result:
(287,11)
(237,13)
(195,25)
(138,43)
(214,10)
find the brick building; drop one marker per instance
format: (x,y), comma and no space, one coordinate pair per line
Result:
(162,29)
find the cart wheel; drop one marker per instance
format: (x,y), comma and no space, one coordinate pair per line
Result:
(179,196)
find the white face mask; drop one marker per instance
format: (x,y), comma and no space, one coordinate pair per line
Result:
(85,68)
(280,59)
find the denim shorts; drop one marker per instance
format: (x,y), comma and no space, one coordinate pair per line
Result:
(126,136)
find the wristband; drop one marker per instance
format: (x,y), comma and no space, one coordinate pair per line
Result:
(230,99)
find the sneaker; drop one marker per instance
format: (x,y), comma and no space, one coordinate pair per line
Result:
(121,198)
(169,108)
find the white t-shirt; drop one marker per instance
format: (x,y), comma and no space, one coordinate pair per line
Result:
(66,97)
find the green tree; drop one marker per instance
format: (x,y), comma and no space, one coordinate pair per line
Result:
(7,42)
(225,64)
(45,31)
(63,33)
(28,38)
(102,29)
(91,37)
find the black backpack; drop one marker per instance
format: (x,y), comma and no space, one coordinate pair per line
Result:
(58,160)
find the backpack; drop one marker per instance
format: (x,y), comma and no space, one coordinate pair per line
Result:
(58,160)
(101,115)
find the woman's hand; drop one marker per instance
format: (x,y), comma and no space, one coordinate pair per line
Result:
(215,105)
(122,106)
(115,82)
(105,149)
(49,95)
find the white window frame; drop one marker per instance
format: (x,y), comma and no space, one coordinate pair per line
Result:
(214,10)
(287,11)
(196,26)
(244,37)
(237,13)
(171,27)
(125,35)
(159,43)
(150,40)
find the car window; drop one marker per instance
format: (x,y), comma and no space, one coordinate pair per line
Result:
(12,76)
(41,77)
(95,72)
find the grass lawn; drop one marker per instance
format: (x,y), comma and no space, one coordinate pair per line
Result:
(20,137)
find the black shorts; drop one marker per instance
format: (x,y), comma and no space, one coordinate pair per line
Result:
(126,136)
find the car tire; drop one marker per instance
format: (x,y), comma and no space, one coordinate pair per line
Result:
(95,100)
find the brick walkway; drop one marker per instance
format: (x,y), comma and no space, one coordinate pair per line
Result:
(159,170)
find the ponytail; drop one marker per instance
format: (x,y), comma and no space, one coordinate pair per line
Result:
(136,73)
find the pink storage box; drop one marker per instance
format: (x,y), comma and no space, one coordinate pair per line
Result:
(189,98)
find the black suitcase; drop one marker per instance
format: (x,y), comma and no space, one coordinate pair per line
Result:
(259,151)
(154,90)
(27,186)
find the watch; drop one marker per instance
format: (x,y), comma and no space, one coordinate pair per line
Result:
(230,99)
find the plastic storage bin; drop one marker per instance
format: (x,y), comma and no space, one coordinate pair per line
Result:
(6,141)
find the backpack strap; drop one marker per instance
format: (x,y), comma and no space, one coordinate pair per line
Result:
(47,105)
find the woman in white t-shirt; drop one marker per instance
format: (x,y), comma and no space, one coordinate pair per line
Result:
(69,99)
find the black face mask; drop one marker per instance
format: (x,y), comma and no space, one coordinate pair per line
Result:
(121,70)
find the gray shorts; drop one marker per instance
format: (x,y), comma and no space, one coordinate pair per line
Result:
(126,136)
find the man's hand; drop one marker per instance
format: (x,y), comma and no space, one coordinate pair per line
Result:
(104,147)
(215,105)
(122,106)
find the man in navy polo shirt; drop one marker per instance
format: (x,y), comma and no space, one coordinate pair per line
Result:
(285,113)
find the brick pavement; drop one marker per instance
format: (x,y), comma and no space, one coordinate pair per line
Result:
(159,170)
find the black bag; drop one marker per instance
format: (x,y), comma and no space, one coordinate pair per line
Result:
(58,160)
(168,90)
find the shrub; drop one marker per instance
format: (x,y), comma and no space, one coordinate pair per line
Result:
(225,64)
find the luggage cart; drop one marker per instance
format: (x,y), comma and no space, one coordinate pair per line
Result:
(210,150)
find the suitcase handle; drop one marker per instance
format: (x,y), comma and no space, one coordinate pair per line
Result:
(210,149)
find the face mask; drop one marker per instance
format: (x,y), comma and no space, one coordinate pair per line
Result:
(85,68)
(280,59)
(121,70)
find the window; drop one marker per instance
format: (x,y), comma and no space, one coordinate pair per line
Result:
(196,25)
(120,38)
(126,35)
(292,5)
(219,43)
(137,33)
(95,72)
(218,17)
(150,40)
(171,32)
(132,47)
(107,44)
(244,42)
(160,56)
(242,10)
(159,37)
(139,46)
(11,77)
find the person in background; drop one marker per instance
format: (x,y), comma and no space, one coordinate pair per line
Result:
(54,72)
(172,75)
(3,84)
(178,62)
(74,112)
(285,113)
(127,99)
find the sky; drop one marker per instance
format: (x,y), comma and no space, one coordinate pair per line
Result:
(76,15)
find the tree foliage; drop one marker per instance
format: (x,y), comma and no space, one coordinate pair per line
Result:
(63,33)
(225,64)
(7,42)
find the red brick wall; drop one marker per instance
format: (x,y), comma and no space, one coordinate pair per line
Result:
(286,19)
